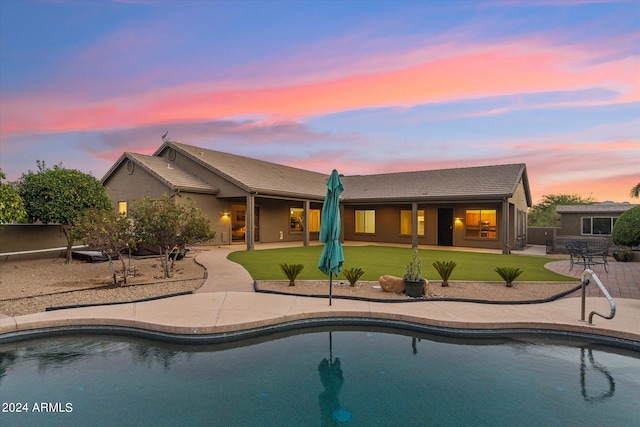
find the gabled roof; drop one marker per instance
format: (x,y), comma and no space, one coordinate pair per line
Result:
(604,207)
(272,179)
(444,184)
(173,177)
(253,175)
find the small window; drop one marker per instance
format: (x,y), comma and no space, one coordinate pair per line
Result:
(122,208)
(365,221)
(406,223)
(481,223)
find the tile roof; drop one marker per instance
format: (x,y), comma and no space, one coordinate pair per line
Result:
(605,207)
(256,175)
(173,177)
(272,179)
(444,184)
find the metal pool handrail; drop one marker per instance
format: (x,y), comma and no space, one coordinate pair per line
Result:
(585,282)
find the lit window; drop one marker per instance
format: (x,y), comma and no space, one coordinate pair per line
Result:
(296,219)
(122,208)
(366,221)
(405,222)
(481,223)
(314,220)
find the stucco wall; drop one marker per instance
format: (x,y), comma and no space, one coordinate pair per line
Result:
(30,237)
(123,186)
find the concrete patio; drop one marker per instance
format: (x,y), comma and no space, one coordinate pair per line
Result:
(226,306)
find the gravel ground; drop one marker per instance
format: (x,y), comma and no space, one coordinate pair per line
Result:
(33,286)
(485,291)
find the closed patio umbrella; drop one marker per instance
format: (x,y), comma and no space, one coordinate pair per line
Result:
(332,258)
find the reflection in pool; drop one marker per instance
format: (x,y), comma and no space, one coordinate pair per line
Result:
(319,377)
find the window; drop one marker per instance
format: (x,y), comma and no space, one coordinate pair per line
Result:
(598,225)
(405,222)
(481,223)
(314,220)
(122,208)
(296,220)
(365,221)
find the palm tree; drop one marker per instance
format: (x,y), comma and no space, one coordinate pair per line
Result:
(635,191)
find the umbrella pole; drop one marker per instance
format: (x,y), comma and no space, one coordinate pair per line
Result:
(330,286)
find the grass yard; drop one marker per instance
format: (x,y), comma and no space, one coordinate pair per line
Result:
(380,260)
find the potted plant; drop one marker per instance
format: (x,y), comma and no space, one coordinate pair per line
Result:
(414,284)
(353,275)
(508,274)
(291,271)
(444,269)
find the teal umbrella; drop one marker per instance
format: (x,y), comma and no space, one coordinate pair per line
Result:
(332,258)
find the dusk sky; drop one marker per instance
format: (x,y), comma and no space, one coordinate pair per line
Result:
(362,86)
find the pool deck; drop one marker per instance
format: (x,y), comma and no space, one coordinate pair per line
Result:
(226,305)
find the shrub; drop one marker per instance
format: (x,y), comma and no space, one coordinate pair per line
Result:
(353,275)
(444,269)
(508,274)
(413,271)
(623,255)
(292,272)
(626,231)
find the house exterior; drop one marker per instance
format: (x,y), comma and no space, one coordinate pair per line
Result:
(250,200)
(593,220)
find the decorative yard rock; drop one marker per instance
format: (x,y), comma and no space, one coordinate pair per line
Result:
(391,284)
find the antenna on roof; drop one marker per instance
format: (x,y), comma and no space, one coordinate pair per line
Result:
(164,137)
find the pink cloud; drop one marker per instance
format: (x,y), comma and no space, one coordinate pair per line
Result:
(522,67)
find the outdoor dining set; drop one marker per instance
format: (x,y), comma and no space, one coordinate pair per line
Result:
(580,253)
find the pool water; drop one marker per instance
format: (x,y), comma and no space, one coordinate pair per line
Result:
(318,378)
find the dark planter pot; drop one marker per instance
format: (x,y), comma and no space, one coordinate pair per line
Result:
(414,289)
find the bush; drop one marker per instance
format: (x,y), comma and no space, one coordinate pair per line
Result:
(292,272)
(353,275)
(509,274)
(626,231)
(623,255)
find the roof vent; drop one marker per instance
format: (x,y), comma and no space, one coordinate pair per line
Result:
(169,166)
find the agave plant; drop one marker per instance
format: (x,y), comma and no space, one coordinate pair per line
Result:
(292,272)
(444,269)
(508,274)
(353,275)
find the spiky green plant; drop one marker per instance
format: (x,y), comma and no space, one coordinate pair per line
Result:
(444,269)
(509,274)
(291,272)
(353,275)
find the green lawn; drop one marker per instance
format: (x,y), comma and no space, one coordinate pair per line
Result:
(379,260)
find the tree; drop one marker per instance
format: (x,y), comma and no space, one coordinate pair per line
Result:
(626,230)
(108,231)
(165,224)
(60,196)
(11,204)
(635,191)
(544,213)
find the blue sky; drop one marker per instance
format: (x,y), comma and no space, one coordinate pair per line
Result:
(361,86)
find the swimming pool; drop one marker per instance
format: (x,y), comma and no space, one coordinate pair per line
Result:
(320,376)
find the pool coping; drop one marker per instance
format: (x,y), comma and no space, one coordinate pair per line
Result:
(220,317)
